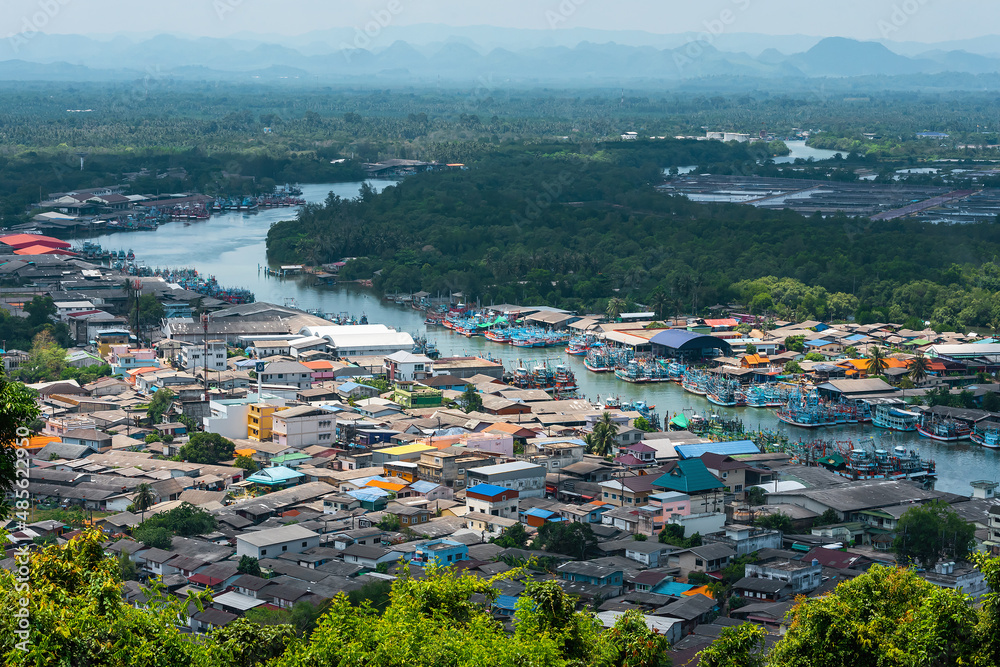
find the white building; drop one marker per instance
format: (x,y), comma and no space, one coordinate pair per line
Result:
(273,542)
(303,426)
(526,478)
(64,308)
(408,367)
(288,374)
(361,340)
(193,356)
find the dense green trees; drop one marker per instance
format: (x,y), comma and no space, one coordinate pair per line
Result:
(583,229)
(931,532)
(17,410)
(185,520)
(570,539)
(208,448)
(601,440)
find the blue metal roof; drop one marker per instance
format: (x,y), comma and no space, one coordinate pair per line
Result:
(506,602)
(817,343)
(274,475)
(423,486)
(856,337)
(723,448)
(539,512)
(348,386)
(672,588)
(681,339)
(487,489)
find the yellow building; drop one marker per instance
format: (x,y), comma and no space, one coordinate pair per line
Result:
(260,421)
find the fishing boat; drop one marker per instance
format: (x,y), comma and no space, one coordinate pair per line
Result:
(987,434)
(598,362)
(890,415)
(807,411)
(612,403)
(764,396)
(498,335)
(943,429)
(632,372)
(695,382)
(725,392)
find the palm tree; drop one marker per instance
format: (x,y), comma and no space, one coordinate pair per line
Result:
(876,361)
(919,366)
(602,440)
(144,498)
(660,301)
(615,305)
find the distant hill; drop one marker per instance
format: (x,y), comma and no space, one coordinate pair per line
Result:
(326,57)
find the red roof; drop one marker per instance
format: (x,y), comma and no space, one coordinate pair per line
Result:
(25,240)
(728,322)
(629,460)
(42,250)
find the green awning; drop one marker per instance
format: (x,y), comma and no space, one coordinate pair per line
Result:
(680,421)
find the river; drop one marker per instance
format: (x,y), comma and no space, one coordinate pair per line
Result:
(231,247)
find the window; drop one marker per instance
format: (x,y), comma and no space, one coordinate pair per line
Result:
(699,562)
(284,547)
(263,552)
(303,544)
(605,494)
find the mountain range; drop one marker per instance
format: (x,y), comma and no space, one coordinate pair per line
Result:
(483,58)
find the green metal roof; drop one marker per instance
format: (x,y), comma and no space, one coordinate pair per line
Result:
(688,476)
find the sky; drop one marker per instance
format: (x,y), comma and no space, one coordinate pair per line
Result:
(895,20)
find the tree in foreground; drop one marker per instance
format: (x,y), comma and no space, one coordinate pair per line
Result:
(17,411)
(207,448)
(512,537)
(737,646)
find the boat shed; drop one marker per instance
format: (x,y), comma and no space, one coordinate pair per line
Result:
(858,389)
(688,344)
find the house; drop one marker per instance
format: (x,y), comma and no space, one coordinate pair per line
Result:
(756,589)
(746,539)
(407,367)
(492,499)
(590,573)
(276,477)
(369,557)
(647,552)
(448,466)
(628,491)
(87,437)
(260,422)
(735,475)
(412,395)
(526,478)
(302,426)
(802,577)
(442,552)
(692,477)
(706,558)
(273,542)
(410,516)
(287,374)
(671,628)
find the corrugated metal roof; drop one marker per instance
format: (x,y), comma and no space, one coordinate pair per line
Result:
(694,451)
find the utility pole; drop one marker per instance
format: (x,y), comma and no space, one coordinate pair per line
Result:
(204,359)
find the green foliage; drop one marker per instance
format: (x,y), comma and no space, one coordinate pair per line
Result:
(737,646)
(776,521)
(643,424)
(389,522)
(876,361)
(639,537)
(931,532)
(793,367)
(127,568)
(795,344)
(247,463)
(244,643)
(827,518)
(184,520)
(601,440)
(249,565)
(153,437)
(162,400)
(210,448)
(155,537)
(813,356)
(512,537)
(673,533)
(756,496)
(144,497)
(471,400)
(887,617)
(379,383)
(375,592)
(17,410)
(570,539)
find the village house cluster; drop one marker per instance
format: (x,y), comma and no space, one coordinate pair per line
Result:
(366,465)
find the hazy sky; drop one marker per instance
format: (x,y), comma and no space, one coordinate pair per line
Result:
(898,20)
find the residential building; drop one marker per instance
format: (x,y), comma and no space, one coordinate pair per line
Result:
(303,426)
(369,557)
(441,552)
(408,367)
(287,374)
(628,491)
(706,558)
(492,499)
(746,539)
(691,476)
(260,421)
(648,552)
(210,355)
(448,466)
(400,453)
(591,573)
(273,542)
(414,395)
(801,577)
(527,478)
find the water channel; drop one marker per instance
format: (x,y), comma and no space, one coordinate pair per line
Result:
(231,247)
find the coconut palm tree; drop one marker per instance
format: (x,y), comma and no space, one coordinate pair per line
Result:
(615,305)
(660,302)
(919,366)
(144,498)
(601,440)
(876,361)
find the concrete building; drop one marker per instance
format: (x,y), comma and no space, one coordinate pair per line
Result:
(287,374)
(361,340)
(492,499)
(448,466)
(193,356)
(260,421)
(273,542)
(801,577)
(443,552)
(303,426)
(526,478)
(408,367)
